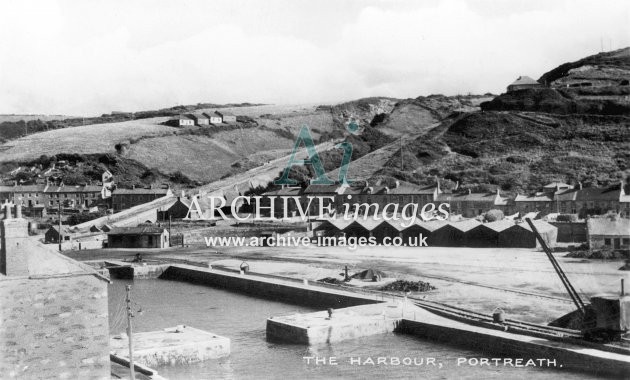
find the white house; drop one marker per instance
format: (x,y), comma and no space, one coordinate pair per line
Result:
(215,118)
(181,121)
(227,117)
(201,119)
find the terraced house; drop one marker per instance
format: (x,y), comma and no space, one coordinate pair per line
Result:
(581,201)
(38,196)
(556,197)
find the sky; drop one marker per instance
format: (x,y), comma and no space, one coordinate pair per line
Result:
(88,57)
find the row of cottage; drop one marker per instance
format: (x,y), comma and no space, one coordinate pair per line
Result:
(36,199)
(553,198)
(201,119)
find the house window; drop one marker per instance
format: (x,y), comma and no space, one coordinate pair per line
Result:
(607,242)
(626,241)
(51,203)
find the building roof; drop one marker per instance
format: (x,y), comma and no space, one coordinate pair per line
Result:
(350,190)
(22,188)
(561,185)
(611,193)
(524,80)
(605,226)
(340,223)
(157,191)
(533,198)
(465,225)
(199,116)
(410,188)
(286,191)
(431,225)
(500,225)
(74,189)
(468,197)
(541,226)
(64,230)
(567,195)
(321,189)
(137,230)
(180,117)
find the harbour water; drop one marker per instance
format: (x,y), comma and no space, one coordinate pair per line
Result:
(159,304)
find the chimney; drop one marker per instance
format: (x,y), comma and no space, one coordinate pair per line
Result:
(13,254)
(469,191)
(437,183)
(397,184)
(580,185)
(456,185)
(18,212)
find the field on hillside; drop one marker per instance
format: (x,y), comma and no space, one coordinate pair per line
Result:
(14,118)
(208,159)
(95,138)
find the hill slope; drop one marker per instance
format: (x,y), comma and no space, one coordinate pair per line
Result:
(518,151)
(597,84)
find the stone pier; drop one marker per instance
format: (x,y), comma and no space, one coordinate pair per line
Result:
(176,345)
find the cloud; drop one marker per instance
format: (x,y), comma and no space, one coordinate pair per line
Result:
(75,58)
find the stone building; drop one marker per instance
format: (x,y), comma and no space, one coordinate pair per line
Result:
(470,205)
(138,237)
(126,198)
(523,82)
(47,196)
(54,315)
(608,233)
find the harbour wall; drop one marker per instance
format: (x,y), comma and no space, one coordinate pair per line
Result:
(270,288)
(490,343)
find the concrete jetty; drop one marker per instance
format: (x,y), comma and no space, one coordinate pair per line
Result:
(131,270)
(176,345)
(343,324)
(354,322)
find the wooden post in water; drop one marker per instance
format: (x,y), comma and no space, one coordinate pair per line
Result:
(130,333)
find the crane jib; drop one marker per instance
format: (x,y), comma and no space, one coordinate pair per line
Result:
(556,266)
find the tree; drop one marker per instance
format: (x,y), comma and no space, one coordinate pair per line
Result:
(493,216)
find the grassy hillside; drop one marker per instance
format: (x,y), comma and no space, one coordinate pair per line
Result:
(518,151)
(208,159)
(95,138)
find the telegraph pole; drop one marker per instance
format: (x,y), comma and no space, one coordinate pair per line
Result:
(60,237)
(130,332)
